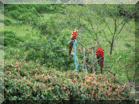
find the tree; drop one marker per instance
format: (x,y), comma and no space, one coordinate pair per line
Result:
(89,13)
(95,20)
(117,29)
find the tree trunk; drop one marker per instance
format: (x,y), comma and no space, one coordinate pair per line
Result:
(112,45)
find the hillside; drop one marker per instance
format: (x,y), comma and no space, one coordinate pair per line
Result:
(40,31)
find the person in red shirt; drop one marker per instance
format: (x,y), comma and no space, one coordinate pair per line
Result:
(100,54)
(73,37)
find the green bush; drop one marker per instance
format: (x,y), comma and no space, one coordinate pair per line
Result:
(42,8)
(45,52)
(24,13)
(11,39)
(7,22)
(49,8)
(10,7)
(43,28)
(14,14)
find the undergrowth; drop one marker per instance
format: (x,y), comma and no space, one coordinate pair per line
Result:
(34,82)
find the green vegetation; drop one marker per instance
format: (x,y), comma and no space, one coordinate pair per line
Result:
(43,31)
(11,39)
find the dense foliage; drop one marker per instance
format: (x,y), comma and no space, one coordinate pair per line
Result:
(32,81)
(10,38)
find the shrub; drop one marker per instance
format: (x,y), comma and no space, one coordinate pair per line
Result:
(11,39)
(43,83)
(7,22)
(24,13)
(14,14)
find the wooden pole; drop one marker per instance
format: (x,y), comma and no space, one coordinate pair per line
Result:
(92,59)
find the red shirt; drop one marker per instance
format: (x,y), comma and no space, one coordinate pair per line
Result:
(100,52)
(74,35)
